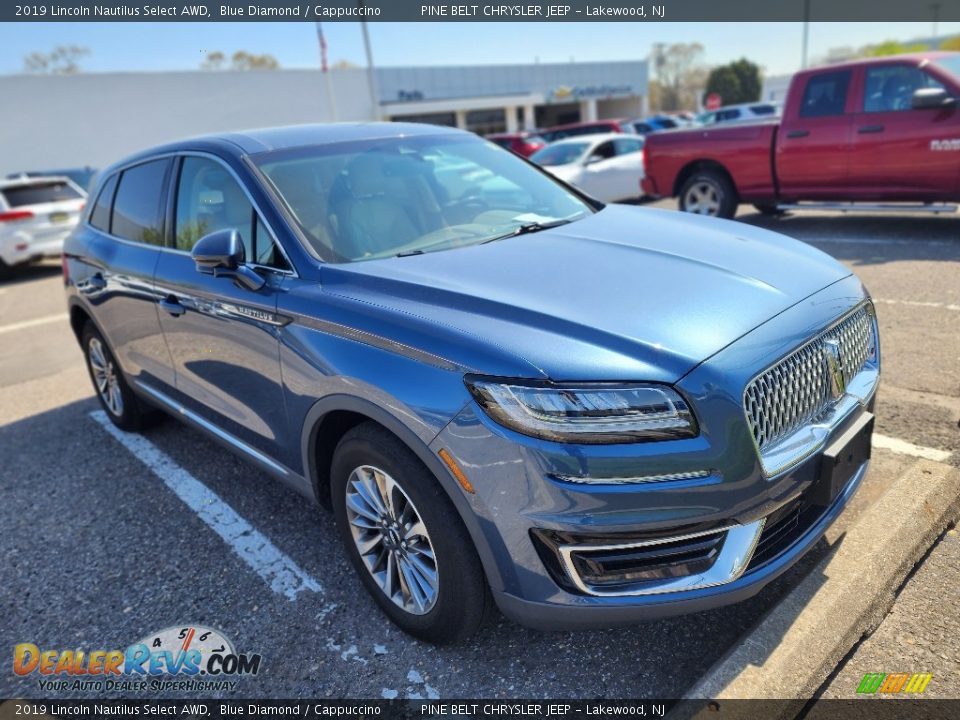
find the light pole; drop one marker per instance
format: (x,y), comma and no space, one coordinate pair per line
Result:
(371,72)
(806,34)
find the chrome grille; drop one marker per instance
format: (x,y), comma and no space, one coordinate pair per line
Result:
(797,390)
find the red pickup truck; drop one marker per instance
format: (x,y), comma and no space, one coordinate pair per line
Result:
(883,130)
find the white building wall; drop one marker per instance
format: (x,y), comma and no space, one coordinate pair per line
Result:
(96,119)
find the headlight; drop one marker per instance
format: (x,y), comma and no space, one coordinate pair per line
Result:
(586,413)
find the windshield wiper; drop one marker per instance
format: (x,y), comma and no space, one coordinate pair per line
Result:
(530,227)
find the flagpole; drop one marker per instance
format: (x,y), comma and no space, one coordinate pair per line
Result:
(326,72)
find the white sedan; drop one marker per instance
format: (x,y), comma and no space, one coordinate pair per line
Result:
(608,167)
(36,214)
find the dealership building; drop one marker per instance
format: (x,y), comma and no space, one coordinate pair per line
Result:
(56,121)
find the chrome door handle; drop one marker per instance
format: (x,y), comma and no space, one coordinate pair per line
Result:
(172,306)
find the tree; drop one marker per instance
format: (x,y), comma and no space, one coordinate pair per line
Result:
(680,75)
(240,60)
(952,43)
(62,60)
(736,82)
(213,61)
(890,47)
(243,60)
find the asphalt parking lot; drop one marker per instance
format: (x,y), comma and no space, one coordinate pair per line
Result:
(98,549)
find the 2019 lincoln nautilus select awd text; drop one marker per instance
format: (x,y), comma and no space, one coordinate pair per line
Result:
(505,390)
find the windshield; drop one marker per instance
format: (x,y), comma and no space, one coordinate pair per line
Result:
(403,196)
(560,154)
(950,64)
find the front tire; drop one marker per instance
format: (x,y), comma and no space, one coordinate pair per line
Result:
(405,539)
(709,192)
(116,398)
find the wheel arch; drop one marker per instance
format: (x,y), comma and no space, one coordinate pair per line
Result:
(702,164)
(334,415)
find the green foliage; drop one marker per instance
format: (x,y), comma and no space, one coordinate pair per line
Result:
(736,82)
(891,47)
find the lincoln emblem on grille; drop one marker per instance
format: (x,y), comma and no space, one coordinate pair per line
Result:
(831,355)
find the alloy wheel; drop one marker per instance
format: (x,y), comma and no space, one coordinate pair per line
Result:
(105,377)
(392,539)
(702,198)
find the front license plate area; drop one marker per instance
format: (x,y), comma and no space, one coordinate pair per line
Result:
(841,459)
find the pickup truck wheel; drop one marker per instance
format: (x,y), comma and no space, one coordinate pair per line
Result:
(709,192)
(405,539)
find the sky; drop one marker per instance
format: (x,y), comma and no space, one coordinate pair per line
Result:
(181,46)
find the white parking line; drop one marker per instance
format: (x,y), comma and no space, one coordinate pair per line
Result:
(23,324)
(906,448)
(278,570)
(919,303)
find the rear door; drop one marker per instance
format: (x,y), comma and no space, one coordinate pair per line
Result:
(814,141)
(125,235)
(893,155)
(223,337)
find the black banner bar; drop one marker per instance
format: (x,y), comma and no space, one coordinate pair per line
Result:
(869,708)
(473,11)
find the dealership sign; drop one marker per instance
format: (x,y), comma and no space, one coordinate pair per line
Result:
(566,93)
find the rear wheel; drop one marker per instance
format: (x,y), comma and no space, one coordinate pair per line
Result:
(123,408)
(405,539)
(709,192)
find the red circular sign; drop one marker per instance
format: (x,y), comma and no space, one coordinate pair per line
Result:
(714,101)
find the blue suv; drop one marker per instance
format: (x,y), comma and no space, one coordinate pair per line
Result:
(505,390)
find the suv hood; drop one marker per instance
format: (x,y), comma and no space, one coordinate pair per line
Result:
(625,294)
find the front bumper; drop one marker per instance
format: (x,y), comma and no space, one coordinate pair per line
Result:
(534,498)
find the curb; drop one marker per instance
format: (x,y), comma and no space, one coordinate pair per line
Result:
(795,647)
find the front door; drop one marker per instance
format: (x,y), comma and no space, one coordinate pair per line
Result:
(223,337)
(895,155)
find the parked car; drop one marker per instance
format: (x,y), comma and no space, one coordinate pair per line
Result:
(649,125)
(872,131)
(734,113)
(523,144)
(36,214)
(608,167)
(81,176)
(592,414)
(559,132)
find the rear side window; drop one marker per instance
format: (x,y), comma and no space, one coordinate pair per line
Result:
(628,145)
(137,207)
(39,193)
(100,216)
(825,94)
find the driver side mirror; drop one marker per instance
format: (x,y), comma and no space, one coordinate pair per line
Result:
(594,159)
(931,98)
(221,254)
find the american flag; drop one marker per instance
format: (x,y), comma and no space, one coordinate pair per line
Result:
(323,47)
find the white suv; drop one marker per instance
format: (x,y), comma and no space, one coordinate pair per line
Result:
(36,214)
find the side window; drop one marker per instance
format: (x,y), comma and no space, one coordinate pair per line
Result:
(603,150)
(628,145)
(891,88)
(210,199)
(825,94)
(137,206)
(100,215)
